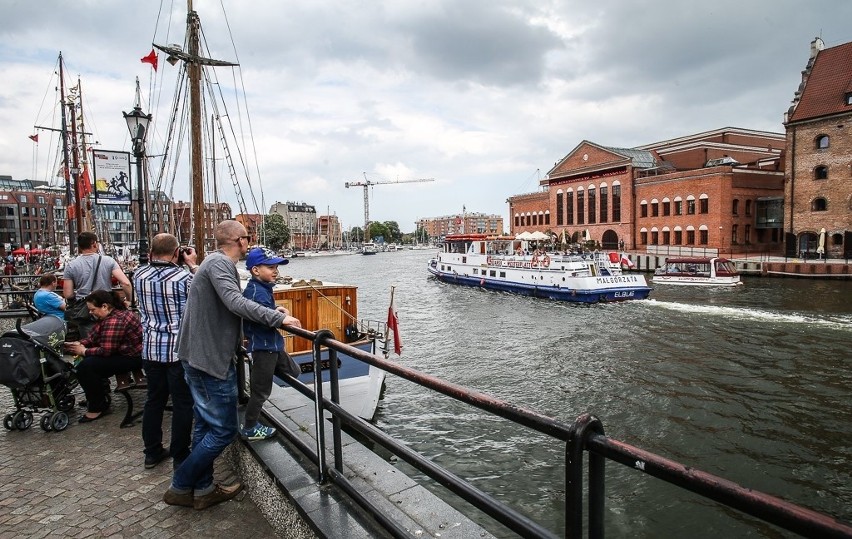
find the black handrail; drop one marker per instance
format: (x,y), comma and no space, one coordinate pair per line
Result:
(585,434)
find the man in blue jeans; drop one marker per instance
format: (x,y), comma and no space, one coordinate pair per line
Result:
(207,341)
(162,288)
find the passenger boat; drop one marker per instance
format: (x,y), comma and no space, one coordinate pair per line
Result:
(698,271)
(369,248)
(502,263)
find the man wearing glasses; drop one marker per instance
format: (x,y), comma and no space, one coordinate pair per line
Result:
(209,336)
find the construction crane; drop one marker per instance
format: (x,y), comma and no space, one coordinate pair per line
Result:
(366,184)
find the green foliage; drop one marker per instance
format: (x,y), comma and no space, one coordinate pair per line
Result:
(274,232)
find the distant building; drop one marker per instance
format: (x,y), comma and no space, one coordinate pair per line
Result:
(330,231)
(466,222)
(529,212)
(301,220)
(183,220)
(252,222)
(818,188)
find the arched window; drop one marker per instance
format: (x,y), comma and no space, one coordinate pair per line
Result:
(643,208)
(655,236)
(819,204)
(678,235)
(822,142)
(736,209)
(704,204)
(547,217)
(678,206)
(667,207)
(655,208)
(748,208)
(821,172)
(690,205)
(703,235)
(643,236)
(734,230)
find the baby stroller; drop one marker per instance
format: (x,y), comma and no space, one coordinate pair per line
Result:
(31,365)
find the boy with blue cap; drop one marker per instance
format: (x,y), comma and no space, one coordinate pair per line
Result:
(266,344)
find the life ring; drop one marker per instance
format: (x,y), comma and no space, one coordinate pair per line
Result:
(534,262)
(545,261)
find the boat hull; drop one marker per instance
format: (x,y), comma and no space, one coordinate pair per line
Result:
(360,384)
(697,281)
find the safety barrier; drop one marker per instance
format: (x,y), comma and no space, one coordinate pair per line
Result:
(585,435)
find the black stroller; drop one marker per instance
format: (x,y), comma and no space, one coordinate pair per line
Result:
(31,365)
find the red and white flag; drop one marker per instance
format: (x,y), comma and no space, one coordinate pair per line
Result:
(393,325)
(34,138)
(625,261)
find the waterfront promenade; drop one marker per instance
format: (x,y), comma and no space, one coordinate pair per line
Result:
(89,481)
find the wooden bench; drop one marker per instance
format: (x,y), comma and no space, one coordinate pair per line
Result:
(130,417)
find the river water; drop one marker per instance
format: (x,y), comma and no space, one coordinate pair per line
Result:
(753,384)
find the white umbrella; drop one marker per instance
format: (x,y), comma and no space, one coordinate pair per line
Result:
(523,236)
(539,236)
(821,244)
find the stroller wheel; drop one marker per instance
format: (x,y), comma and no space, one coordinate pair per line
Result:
(45,422)
(66,403)
(59,421)
(23,420)
(8,422)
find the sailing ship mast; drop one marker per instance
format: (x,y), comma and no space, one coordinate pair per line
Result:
(194,61)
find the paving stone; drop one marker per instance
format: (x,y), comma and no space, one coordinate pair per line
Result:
(89,481)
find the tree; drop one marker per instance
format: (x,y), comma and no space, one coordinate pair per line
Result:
(356,235)
(379,230)
(274,232)
(393,233)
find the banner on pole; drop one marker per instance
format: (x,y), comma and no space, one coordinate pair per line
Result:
(112,177)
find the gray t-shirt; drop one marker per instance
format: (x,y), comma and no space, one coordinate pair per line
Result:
(211,328)
(80,270)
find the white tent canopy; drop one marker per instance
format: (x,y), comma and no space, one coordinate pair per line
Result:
(539,236)
(523,236)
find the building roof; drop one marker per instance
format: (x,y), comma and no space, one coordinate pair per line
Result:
(638,158)
(827,85)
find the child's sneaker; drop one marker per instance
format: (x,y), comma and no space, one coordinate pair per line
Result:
(258,432)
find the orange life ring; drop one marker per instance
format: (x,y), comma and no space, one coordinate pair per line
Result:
(534,262)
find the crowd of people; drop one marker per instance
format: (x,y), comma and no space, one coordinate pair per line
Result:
(182,344)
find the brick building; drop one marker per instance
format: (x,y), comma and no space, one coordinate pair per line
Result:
(465,222)
(717,190)
(252,222)
(818,188)
(529,212)
(183,222)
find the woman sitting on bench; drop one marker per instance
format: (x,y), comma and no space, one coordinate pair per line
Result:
(113,347)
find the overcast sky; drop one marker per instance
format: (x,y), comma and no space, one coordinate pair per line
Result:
(484,96)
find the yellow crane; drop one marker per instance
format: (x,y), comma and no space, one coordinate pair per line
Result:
(366,184)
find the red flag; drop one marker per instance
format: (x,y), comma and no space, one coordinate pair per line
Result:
(85,183)
(625,261)
(151,59)
(34,138)
(393,325)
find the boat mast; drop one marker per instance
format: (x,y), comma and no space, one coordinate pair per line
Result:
(194,62)
(194,71)
(72,236)
(84,190)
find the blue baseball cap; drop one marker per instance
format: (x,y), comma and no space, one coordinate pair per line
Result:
(263,256)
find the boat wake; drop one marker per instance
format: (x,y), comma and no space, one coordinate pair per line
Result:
(840,322)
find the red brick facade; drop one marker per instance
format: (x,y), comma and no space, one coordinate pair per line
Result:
(818,190)
(665,195)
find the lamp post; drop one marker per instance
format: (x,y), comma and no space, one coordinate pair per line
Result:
(137,124)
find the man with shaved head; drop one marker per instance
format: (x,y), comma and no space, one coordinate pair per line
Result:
(208,339)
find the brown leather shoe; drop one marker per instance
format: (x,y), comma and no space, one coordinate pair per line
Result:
(173,498)
(221,493)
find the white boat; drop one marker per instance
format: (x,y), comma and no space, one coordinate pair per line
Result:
(369,248)
(698,271)
(502,263)
(323,305)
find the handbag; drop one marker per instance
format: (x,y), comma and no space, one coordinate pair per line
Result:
(77,310)
(293,368)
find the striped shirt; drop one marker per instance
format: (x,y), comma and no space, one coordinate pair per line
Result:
(161,290)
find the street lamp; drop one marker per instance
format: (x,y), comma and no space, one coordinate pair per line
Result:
(137,124)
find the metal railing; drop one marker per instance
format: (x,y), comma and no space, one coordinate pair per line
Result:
(586,434)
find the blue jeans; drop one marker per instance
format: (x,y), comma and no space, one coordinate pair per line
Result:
(164,380)
(216,426)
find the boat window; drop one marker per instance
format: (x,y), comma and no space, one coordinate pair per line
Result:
(475,271)
(503,274)
(493,273)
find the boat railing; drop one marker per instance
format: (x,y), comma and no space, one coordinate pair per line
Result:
(584,436)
